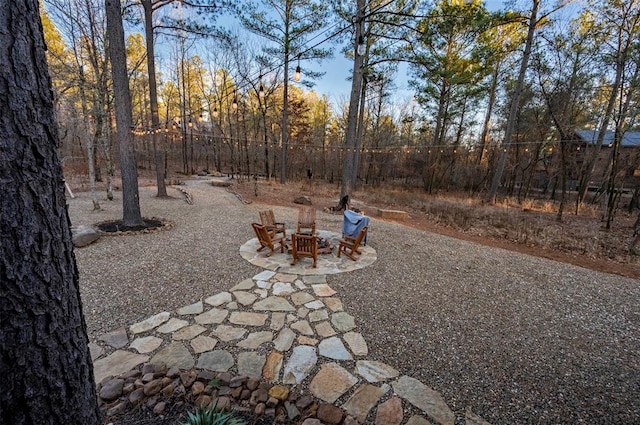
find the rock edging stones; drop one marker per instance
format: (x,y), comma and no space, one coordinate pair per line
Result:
(153,387)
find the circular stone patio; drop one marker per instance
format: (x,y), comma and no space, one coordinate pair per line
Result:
(327,263)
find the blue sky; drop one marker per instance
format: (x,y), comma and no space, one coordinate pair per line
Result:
(335,83)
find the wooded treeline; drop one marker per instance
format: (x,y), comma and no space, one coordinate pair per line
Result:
(499,95)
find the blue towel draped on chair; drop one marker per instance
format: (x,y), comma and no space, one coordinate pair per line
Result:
(353,222)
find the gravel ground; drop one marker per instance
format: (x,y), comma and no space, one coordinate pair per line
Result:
(514,338)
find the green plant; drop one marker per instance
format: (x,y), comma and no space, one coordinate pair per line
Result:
(212,416)
(215,383)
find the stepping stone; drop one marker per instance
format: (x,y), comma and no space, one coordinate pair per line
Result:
(302,360)
(232,305)
(262,292)
(272,367)
(116,364)
(172,325)
(424,398)
(273,304)
(282,289)
(302,312)
(390,412)
(285,277)
(323,290)
(150,323)
(95,350)
(256,339)
(318,315)
(314,305)
(263,284)
(356,343)
(305,340)
(116,339)
(146,345)
(331,382)
(264,275)
(219,299)
(202,344)
(325,330)
(244,285)
(333,303)
(248,319)
(299,284)
(277,321)
(342,321)
(374,371)
(250,364)
(333,348)
(301,297)
(215,315)
(284,340)
(195,308)
(245,298)
(174,355)
(303,327)
(188,333)
(228,333)
(362,400)
(315,278)
(217,361)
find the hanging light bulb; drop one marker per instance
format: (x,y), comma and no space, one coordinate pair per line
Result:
(234,105)
(296,76)
(361,49)
(215,112)
(261,91)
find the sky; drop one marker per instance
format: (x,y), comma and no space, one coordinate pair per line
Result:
(335,83)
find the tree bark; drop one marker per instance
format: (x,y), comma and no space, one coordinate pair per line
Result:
(158,154)
(515,104)
(46,365)
(348,165)
(122,101)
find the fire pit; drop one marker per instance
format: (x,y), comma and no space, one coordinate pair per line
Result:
(324,245)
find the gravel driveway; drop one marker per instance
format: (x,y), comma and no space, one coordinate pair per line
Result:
(514,338)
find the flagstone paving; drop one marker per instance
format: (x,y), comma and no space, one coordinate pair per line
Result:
(327,263)
(287,328)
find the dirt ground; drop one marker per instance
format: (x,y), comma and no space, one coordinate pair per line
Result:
(609,254)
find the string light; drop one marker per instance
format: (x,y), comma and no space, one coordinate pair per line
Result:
(296,76)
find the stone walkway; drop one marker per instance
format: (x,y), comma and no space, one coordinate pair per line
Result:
(281,327)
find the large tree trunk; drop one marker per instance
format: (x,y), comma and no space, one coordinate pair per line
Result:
(348,165)
(158,154)
(46,366)
(515,104)
(122,101)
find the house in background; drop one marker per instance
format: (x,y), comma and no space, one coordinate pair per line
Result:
(628,159)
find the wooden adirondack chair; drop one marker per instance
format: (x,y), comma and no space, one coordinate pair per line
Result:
(350,246)
(304,246)
(268,220)
(306,219)
(268,240)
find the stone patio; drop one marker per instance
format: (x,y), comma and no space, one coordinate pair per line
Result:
(286,326)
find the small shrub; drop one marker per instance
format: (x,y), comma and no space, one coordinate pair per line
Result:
(212,417)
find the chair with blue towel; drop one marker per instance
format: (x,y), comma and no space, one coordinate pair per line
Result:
(353,223)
